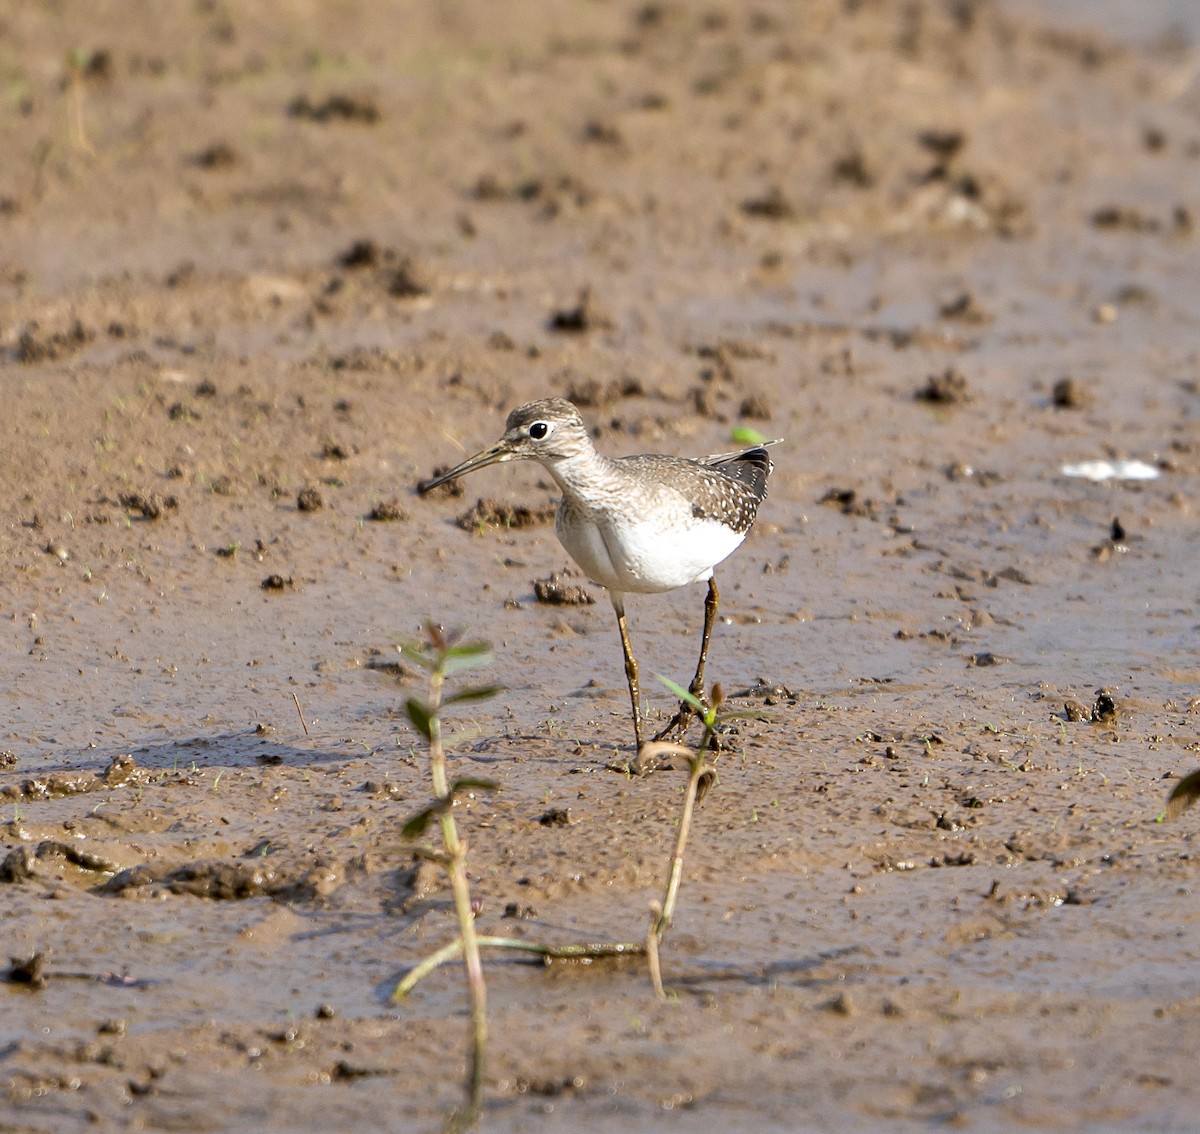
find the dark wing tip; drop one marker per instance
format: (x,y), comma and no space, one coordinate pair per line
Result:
(750,468)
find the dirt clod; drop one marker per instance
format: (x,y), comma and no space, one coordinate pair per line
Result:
(1074,711)
(452,489)
(771,205)
(965,308)
(411,277)
(388,511)
(584,316)
(35,345)
(1069,393)
(555,590)
(1104,710)
(336,108)
(361,254)
(948,388)
(755,407)
(488,513)
(220,155)
(27,970)
(309,499)
(149,505)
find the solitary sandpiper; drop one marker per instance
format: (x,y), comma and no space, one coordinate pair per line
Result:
(641,524)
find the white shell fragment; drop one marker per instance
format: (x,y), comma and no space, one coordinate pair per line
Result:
(1111,470)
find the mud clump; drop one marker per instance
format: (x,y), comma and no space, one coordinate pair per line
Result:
(964,308)
(1070,394)
(149,505)
(946,389)
(1104,711)
(361,254)
(1073,711)
(336,108)
(220,155)
(488,513)
(771,205)
(21,864)
(277,583)
(387,512)
(29,971)
(984,659)
(34,345)
(591,392)
(755,407)
(849,503)
(221,881)
(584,316)
(412,277)
(452,489)
(309,500)
(556,590)
(1124,217)
(121,770)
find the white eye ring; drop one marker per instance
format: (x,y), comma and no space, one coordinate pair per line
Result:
(540,430)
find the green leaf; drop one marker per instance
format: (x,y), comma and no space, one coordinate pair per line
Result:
(744,435)
(453,665)
(469,784)
(683,694)
(418,654)
(420,716)
(1183,795)
(417,823)
(469,650)
(473,693)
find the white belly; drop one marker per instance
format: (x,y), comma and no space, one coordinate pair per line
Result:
(642,557)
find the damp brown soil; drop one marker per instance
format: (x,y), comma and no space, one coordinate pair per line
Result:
(265,268)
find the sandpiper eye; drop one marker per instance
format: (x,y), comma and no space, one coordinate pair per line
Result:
(539,430)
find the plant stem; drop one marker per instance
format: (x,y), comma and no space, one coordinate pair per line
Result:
(476,988)
(652,952)
(456,853)
(699,765)
(662,915)
(585,951)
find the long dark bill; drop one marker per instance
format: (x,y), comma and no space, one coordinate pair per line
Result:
(501,451)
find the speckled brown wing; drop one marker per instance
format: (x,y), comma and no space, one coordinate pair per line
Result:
(726,488)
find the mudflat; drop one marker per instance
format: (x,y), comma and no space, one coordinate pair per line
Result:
(264,267)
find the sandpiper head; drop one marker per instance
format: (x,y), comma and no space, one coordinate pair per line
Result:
(549,431)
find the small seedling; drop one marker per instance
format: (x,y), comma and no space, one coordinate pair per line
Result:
(701,776)
(441,654)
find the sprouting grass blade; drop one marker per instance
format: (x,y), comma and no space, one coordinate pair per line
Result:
(682,693)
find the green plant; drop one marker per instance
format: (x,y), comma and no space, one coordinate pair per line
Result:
(1182,796)
(442,654)
(701,776)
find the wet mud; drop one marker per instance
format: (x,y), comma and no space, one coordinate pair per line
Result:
(265,270)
